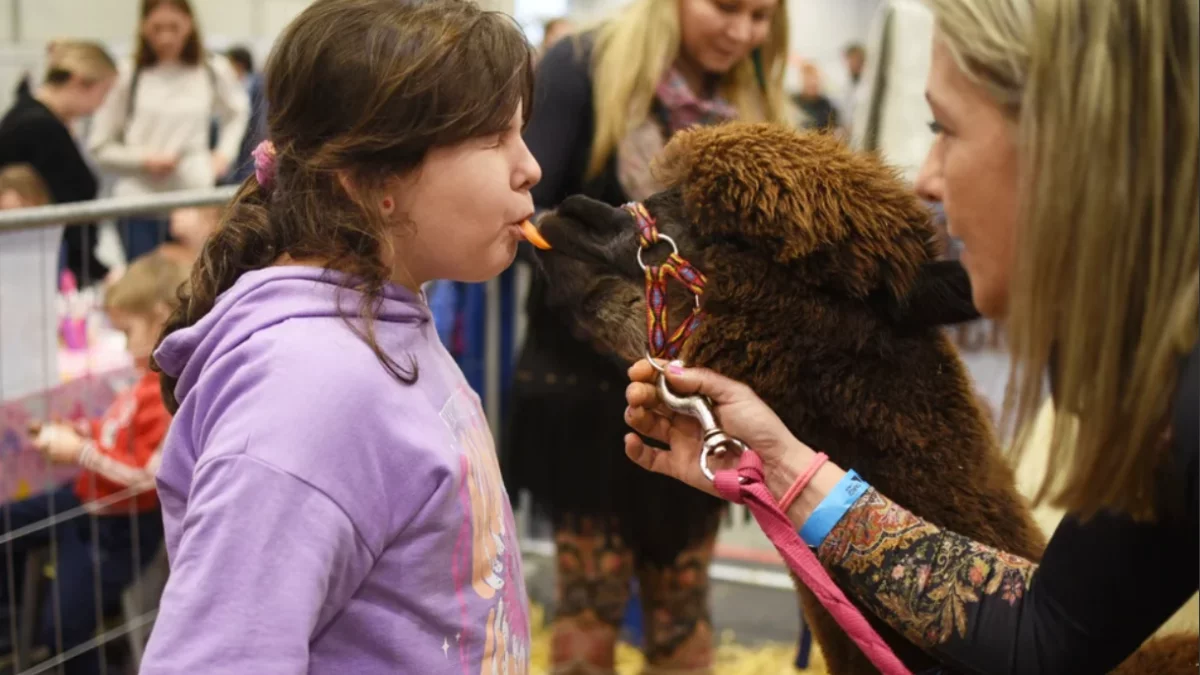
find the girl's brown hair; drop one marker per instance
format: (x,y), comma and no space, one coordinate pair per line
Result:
(193,49)
(359,91)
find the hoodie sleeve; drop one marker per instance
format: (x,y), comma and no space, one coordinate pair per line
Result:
(264,561)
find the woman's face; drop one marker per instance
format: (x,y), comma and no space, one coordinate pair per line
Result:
(717,34)
(971,171)
(167,29)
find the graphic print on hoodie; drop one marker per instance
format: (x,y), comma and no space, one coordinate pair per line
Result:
(320,516)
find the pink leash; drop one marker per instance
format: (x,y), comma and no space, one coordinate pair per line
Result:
(745,486)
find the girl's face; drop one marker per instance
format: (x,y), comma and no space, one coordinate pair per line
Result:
(167,29)
(141,332)
(972,171)
(715,35)
(458,215)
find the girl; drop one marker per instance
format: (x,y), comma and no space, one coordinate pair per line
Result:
(37,131)
(330,491)
(607,101)
(154,132)
(97,558)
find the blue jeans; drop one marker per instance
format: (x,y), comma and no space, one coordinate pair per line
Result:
(142,234)
(76,571)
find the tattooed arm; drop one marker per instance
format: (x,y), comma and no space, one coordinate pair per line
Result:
(1103,587)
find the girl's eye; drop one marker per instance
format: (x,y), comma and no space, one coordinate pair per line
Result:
(937,128)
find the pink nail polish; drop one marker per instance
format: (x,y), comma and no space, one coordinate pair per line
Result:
(675,368)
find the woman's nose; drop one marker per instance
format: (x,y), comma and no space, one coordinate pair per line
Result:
(929,184)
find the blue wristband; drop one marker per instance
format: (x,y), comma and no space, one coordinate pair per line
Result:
(832,508)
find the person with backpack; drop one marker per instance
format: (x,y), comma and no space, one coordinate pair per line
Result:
(153,131)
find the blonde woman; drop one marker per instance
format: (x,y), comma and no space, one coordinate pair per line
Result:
(1066,158)
(154,131)
(606,102)
(37,131)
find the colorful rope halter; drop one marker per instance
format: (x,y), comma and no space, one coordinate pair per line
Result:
(660,345)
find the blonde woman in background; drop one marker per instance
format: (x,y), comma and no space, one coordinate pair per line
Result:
(1068,162)
(607,100)
(37,131)
(154,132)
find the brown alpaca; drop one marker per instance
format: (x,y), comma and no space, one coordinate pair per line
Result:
(825,295)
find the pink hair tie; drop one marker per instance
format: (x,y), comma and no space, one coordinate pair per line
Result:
(264,163)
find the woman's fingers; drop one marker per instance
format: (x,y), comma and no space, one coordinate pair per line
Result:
(642,371)
(650,459)
(677,465)
(641,395)
(685,381)
(648,423)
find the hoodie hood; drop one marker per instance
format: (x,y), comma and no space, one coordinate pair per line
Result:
(265,298)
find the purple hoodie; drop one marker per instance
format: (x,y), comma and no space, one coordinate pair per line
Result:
(322,517)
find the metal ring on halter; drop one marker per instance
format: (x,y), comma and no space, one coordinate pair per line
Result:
(661,237)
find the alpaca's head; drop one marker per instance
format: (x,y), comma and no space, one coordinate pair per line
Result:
(768,214)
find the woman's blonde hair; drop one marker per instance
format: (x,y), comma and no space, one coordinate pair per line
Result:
(632,53)
(1105,97)
(81,59)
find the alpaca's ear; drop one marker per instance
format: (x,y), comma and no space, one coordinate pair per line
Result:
(940,296)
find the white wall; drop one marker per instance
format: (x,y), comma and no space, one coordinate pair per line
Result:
(820,29)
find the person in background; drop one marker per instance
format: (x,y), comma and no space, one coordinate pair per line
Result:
(118,455)
(553,31)
(1067,159)
(36,132)
(21,187)
(817,110)
(153,132)
(607,100)
(256,130)
(855,58)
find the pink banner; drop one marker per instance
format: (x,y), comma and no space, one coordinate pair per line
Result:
(23,470)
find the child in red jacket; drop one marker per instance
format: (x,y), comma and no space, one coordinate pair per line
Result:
(108,520)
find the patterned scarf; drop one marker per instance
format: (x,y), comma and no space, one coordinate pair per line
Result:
(681,109)
(684,109)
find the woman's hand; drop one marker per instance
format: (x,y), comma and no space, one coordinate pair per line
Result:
(740,412)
